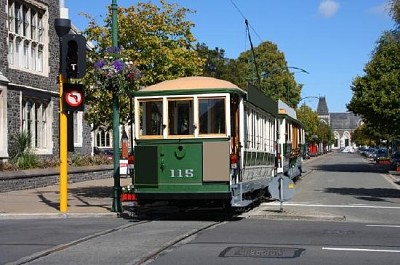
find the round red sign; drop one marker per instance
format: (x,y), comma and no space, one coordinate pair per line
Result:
(73,98)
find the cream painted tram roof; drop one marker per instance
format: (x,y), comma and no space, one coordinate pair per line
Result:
(193,82)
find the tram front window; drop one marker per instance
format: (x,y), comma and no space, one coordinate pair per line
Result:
(180,116)
(151,118)
(212,116)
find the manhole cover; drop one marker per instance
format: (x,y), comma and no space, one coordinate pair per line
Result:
(261,252)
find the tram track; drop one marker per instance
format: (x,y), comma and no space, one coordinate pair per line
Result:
(143,225)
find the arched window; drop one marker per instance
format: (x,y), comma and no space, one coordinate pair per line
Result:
(103,138)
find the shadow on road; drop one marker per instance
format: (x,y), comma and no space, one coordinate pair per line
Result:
(366,168)
(374,194)
(92,192)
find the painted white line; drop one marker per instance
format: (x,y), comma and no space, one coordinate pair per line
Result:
(363,250)
(390,180)
(335,206)
(391,226)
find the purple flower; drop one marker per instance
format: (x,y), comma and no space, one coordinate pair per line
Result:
(113,50)
(118,65)
(100,64)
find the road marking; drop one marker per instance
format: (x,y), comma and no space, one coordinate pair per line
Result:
(390,180)
(335,206)
(391,226)
(363,250)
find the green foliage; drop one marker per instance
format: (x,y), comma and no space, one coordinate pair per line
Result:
(19,144)
(21,154)
(376,94)
(364,135)
(23,157)
(309,119)
(26,160)
(215,61)
(155,38)
(79,160)
(273,78)
(325,134)
(395,11)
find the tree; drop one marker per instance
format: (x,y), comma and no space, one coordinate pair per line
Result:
(269,71)
(309,119)
(395,11)
(364,135)
(376,94)
(325,134)
(215,61)
(156,39)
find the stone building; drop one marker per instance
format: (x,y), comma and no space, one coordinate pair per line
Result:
(343,124)
(29,66)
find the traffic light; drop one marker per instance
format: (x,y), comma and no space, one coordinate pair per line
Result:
(73,55)
(73,97)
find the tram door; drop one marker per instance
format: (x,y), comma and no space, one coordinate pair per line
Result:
(235,125)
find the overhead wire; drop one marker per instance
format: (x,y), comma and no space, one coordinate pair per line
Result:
(244,17)
(251,43)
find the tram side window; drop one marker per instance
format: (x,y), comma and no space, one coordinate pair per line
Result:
(151,118)
(180,117)
(212,116)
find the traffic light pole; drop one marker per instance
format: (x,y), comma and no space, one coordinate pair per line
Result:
(116,205)
(63,153)
(63,26)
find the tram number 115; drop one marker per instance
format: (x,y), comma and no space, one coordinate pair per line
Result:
(182,173)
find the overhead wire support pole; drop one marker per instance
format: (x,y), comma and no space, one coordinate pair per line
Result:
(252,52)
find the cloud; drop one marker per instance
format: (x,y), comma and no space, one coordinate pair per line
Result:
(328,8)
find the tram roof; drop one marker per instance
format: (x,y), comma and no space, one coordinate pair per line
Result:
(188,84)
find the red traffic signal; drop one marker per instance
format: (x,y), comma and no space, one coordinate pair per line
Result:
(73,97)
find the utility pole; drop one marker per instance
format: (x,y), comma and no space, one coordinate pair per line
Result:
(116,205)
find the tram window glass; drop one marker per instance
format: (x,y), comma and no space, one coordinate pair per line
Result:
(180,117)
(212,116)
(151,117)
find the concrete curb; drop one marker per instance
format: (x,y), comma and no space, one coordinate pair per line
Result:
(21,216)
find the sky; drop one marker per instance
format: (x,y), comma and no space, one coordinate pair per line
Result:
(331,39)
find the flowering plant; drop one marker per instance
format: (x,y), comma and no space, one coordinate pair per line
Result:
(115,73)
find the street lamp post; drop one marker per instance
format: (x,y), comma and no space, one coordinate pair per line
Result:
(116,205)
(304,103)
(295,68)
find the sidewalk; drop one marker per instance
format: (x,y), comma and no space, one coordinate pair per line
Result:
(88,198)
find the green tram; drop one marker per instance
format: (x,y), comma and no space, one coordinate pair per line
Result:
(203,141)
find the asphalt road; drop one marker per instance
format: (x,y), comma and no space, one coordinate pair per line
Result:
(346,184)
(357,203)
(360,206)
(257,241)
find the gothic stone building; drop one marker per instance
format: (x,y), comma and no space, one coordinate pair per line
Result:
(29,66)
(342,123)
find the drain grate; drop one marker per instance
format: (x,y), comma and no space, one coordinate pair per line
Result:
(261,252)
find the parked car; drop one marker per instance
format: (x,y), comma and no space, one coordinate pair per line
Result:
(381,153)
(395,160)
(348,149)
(370,153)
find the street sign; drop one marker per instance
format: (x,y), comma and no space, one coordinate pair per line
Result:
(281,188)
(73,97)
